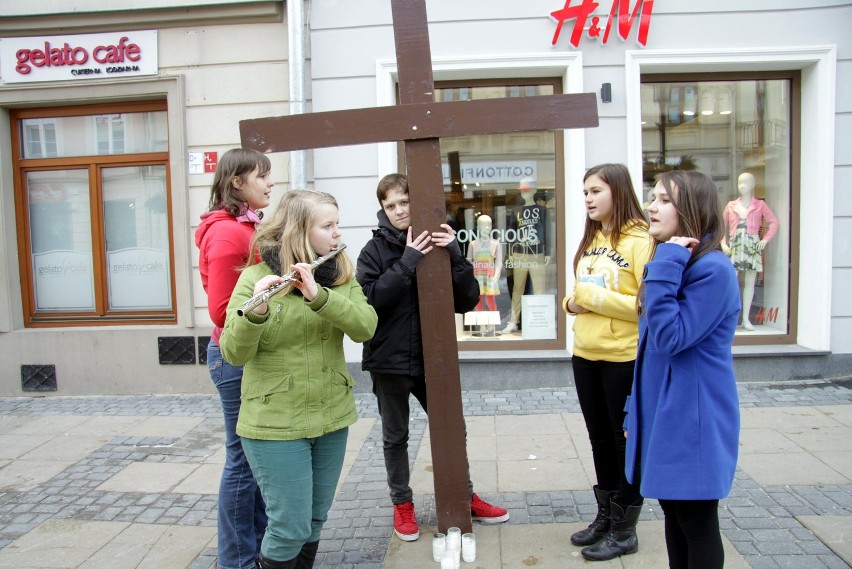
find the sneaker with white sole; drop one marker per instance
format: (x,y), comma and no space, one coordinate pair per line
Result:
(483,512)
(405,522)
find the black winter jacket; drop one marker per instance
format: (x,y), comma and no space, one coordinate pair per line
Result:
(391,288)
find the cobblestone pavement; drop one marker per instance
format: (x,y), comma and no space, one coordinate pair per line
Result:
(759,520)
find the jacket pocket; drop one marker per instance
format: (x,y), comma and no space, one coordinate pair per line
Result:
(266,385)
(342,399)
(266,401)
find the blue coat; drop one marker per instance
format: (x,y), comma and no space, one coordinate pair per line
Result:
(683,418)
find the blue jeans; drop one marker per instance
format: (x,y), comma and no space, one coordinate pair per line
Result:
(241,511)
(298,479)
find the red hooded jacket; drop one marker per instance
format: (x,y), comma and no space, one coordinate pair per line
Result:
(223,242)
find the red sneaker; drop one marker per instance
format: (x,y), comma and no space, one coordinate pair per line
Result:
(486,513)
(404,522)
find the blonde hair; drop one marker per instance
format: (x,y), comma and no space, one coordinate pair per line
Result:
(288,232)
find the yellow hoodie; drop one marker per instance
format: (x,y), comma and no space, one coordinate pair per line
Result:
(608,281)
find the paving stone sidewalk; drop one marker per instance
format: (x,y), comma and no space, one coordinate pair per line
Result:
(97,469)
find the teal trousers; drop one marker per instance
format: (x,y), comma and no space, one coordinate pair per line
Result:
(297,479)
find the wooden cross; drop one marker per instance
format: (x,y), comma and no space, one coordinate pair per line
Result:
(420,122)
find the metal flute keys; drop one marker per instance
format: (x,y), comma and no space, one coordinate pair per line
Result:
(265,295)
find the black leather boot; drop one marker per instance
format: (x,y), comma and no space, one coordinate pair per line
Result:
(621,538)
(265,563)
(598,528)
(306,557)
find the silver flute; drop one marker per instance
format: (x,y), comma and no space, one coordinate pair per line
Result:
(265,295)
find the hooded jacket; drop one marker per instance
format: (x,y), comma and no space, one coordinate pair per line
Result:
(390,285)
(223,248)
(609,332)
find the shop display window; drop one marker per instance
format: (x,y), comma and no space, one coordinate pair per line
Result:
(741,131)
(502,193)
(93,213)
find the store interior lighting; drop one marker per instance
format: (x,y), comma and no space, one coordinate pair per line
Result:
(689,101)
(724,102)
(707,101)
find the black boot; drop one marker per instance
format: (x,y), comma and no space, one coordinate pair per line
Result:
(598,528)
(621,538)
(306,557)
(265,563)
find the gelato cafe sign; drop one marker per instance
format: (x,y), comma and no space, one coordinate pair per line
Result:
(72,57)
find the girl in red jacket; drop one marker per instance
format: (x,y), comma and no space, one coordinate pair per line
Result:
(241,187)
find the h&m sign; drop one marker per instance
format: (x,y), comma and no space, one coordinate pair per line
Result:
(620,15)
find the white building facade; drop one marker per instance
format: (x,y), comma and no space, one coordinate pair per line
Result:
(111,122)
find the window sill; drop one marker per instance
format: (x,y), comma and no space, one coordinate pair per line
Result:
(515,356)
(761,351)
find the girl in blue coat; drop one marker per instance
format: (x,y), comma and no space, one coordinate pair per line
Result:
(683,420)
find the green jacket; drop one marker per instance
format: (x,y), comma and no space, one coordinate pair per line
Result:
(295,383)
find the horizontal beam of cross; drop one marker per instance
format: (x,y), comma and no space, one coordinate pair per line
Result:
(419,121)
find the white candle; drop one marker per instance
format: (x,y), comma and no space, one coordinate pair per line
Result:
(468,547)
(439,546)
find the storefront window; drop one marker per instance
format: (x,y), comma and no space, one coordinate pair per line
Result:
(739,133)
(501,199)
(91,134)
(61,241)
(137,238)
(94,210)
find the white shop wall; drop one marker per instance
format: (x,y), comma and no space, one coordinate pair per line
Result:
(231,74)
(507,29)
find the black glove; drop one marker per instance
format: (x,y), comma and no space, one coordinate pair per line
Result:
(454,250)
(410,258)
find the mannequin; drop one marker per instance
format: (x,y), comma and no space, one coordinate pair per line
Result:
(744,217)
(527,252)
(486,254)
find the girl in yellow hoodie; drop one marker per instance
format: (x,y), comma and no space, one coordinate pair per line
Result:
(608,269)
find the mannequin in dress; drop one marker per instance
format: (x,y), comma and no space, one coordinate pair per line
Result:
(486,255)
(527,253)
(742,242)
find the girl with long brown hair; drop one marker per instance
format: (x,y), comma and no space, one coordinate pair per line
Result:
(608,268)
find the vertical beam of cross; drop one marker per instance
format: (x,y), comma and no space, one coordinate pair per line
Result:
(434,281)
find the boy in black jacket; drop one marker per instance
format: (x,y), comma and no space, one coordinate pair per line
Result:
(394,356)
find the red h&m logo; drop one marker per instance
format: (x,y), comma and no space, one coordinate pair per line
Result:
(619,12)
(766,315)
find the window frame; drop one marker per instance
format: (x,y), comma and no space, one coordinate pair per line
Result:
(94,163)
(794,76)
(519,345)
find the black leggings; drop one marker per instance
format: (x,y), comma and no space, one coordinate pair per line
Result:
(602,388)
(693,540)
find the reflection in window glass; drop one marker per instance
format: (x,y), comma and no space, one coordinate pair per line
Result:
(501,199)
(137,238)
(40,137)
(121,133)
(737,132)
(109,130)
(61,237)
